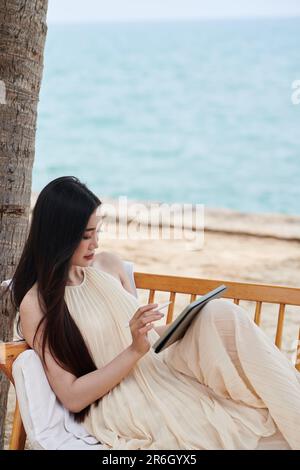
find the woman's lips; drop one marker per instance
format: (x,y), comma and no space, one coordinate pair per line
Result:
(90,256)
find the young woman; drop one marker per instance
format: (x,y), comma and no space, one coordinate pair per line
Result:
(224,385)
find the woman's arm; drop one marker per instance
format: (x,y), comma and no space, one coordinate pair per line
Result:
(90,387)
(77,393)
(94,385)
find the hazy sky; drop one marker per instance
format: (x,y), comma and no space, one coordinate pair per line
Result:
(122,10)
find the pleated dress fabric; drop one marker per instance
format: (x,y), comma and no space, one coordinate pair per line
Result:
(224,385)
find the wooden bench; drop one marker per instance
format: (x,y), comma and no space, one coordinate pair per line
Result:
(174,285)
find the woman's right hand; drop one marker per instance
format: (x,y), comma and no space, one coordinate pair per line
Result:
(140,324)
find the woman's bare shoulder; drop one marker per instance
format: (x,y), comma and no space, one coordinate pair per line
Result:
(107,261)
(113,264)
(30,314)
(31,297)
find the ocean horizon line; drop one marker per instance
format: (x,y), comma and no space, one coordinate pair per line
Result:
(174,20)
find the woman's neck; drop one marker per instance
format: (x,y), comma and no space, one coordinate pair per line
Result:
(76,276)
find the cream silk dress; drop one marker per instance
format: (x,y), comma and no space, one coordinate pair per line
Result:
(224,385)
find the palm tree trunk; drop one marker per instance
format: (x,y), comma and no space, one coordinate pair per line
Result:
(22,38)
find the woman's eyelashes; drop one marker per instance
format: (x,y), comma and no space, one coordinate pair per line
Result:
(97,232)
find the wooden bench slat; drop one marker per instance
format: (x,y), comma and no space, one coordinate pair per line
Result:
(257,315)
(151,296)
(279,330)
(171,307)
(244,291)
(18,435)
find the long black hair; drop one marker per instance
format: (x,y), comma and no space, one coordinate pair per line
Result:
(59,220)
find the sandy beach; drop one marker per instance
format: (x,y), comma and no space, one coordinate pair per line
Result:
(258,248)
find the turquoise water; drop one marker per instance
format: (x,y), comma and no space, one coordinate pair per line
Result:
(195,112)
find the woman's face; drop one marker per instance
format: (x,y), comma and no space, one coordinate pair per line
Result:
(89,243)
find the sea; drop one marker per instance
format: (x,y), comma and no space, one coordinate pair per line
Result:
(202,112)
